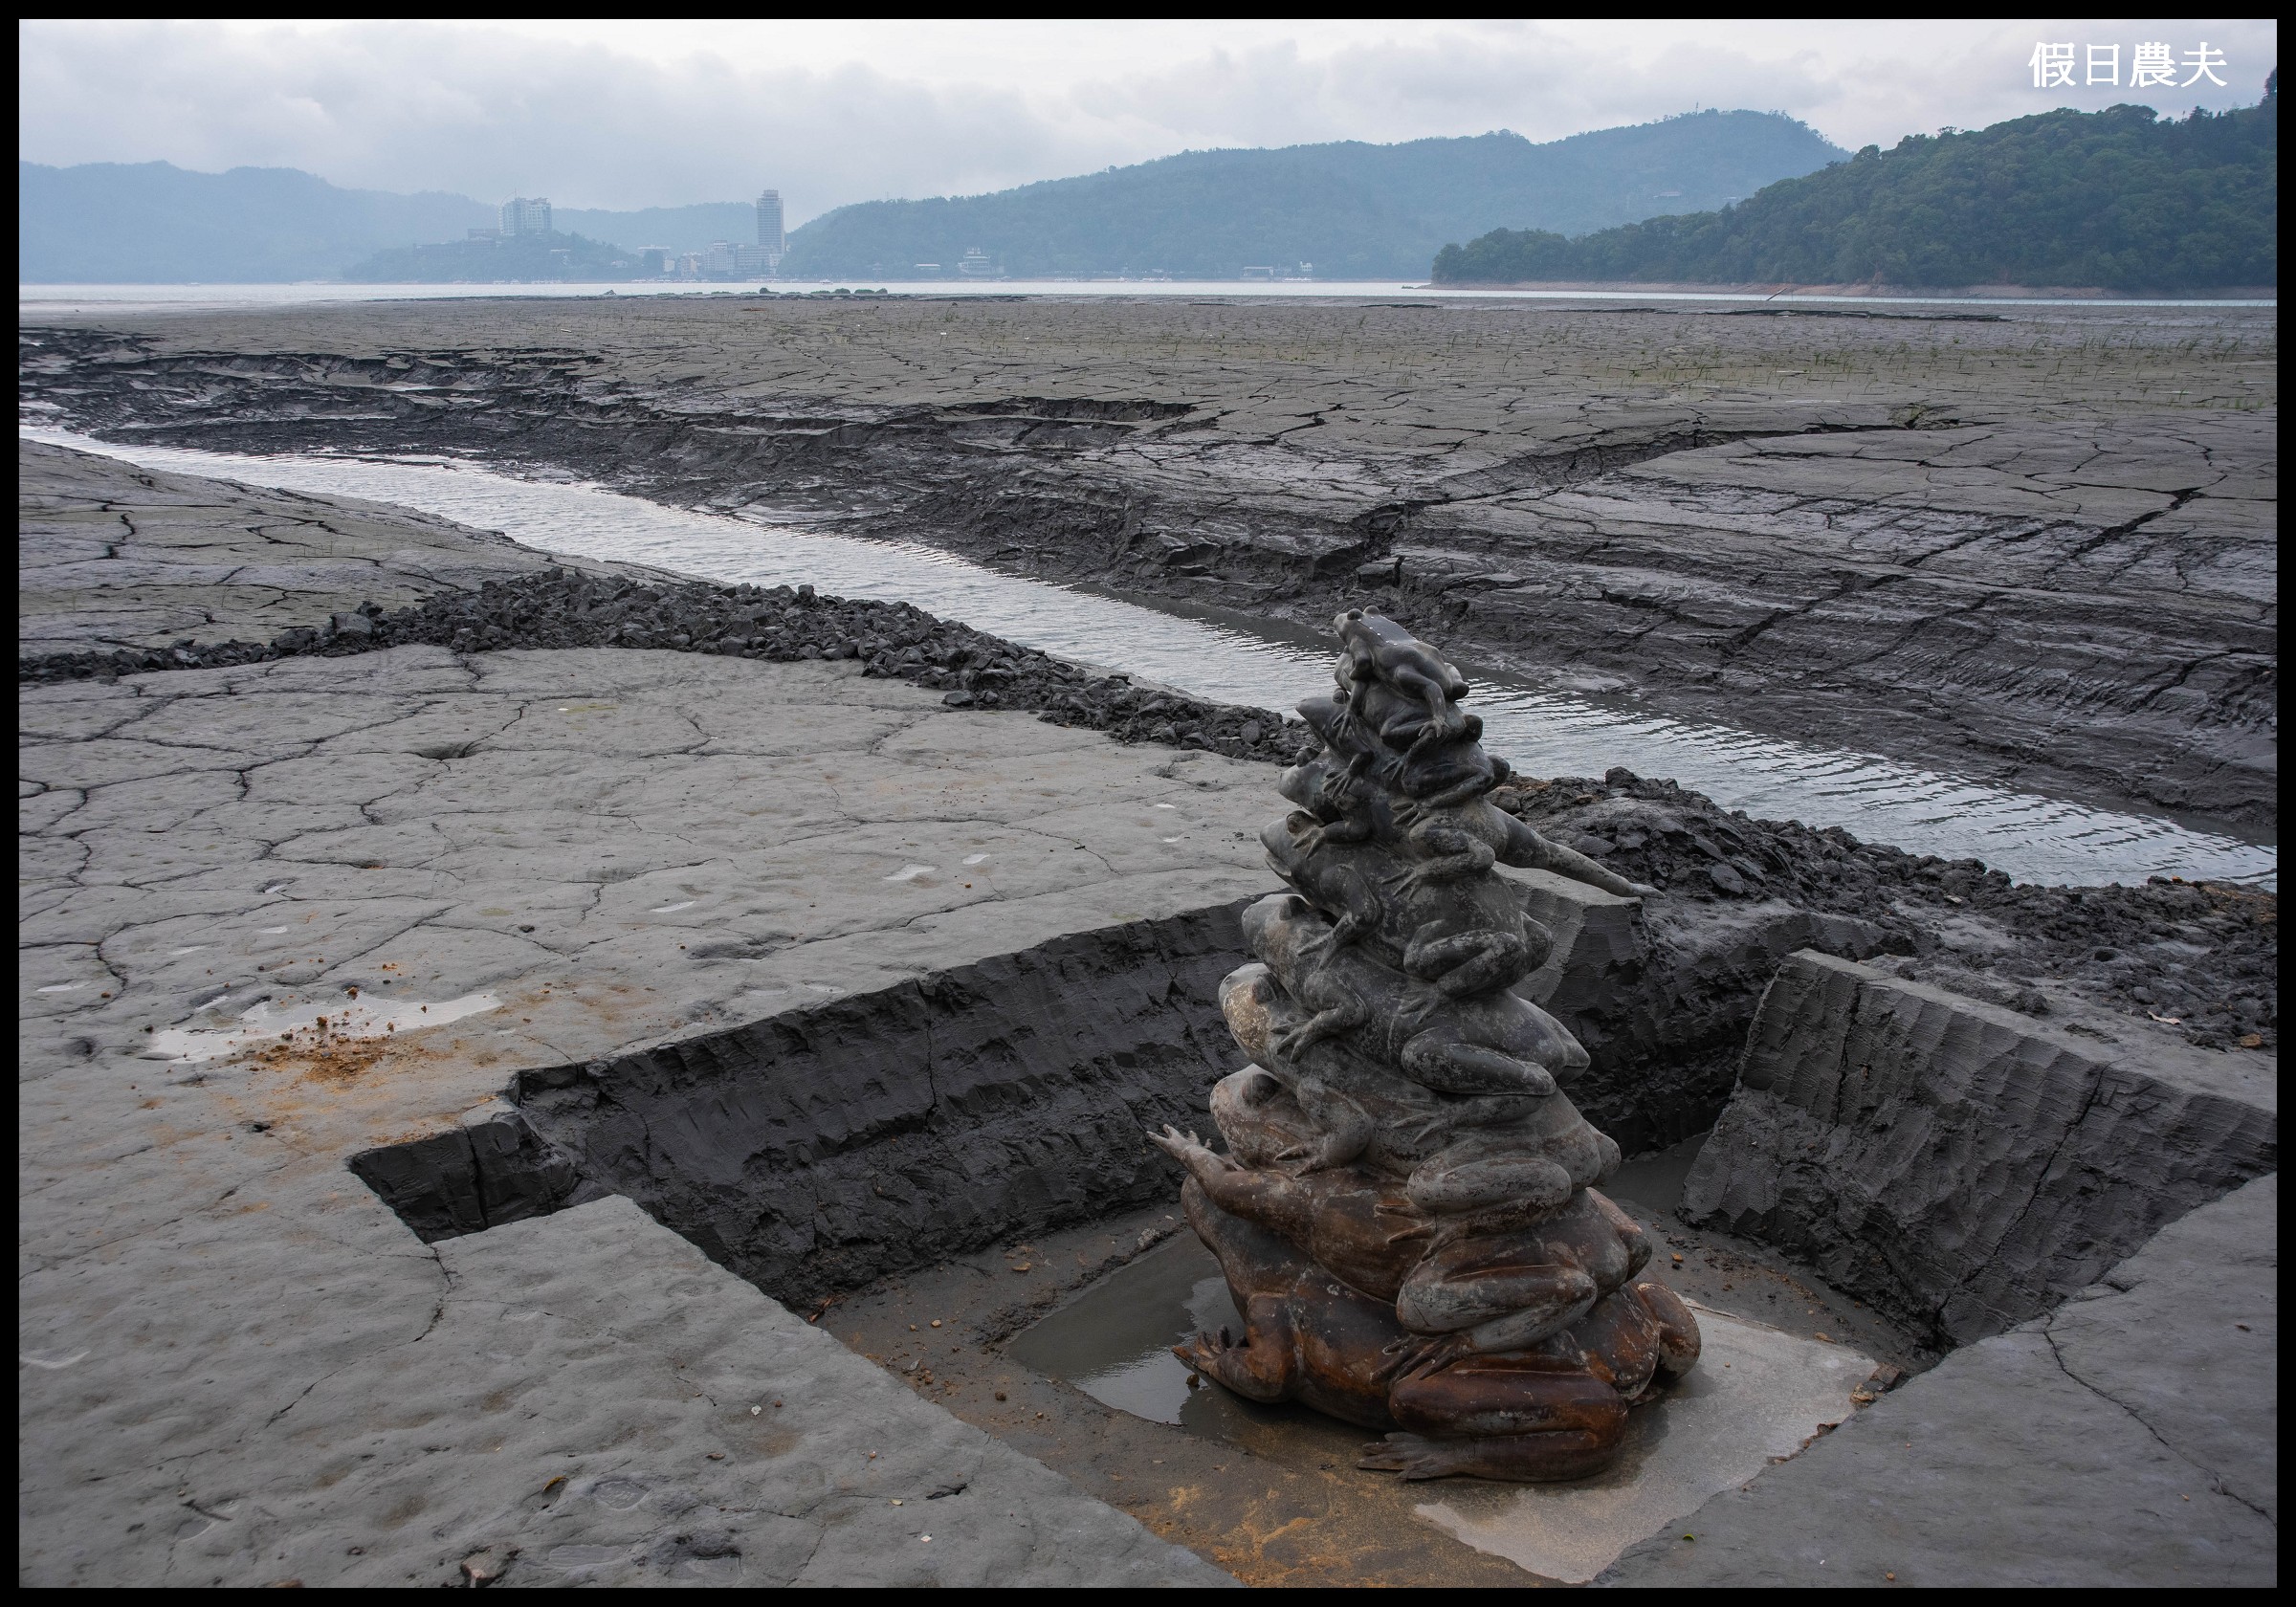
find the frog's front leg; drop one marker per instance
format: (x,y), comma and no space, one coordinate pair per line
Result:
(1264,1365)
(1359,911)
(1292,1041)
(1312,833)
(1347,1130)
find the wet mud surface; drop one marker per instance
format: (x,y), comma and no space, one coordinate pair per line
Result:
(2038,550)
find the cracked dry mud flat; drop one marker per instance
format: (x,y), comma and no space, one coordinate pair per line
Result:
(2038,550)
(244,1368)
(110,556)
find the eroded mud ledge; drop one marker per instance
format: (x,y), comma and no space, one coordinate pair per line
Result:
(2038,550)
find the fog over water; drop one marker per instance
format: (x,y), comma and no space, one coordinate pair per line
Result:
(1234,659)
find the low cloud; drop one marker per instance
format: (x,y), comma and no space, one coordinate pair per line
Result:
(490,112)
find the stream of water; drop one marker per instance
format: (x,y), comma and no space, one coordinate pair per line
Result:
(1231,659)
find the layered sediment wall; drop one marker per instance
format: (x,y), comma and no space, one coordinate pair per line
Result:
(1963,1167)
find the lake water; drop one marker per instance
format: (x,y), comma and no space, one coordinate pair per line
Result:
(34,301)
(1241,660)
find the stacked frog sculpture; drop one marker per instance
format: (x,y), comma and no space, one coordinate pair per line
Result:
(1405,1211)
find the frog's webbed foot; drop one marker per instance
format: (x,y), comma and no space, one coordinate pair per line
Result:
(1291,1041)
(1416,1354)
(1188,1149)
(1416,1006)
(1413,1456)
(1202,1351)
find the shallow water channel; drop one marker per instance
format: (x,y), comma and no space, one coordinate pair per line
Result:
(1237,659)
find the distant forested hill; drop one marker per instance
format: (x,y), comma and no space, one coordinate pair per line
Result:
(1353,211)
(555,255)
(155,222)
(2114,199)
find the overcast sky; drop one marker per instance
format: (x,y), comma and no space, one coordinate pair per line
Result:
(626,115)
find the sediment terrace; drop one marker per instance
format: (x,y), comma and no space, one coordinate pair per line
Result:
(2037,548)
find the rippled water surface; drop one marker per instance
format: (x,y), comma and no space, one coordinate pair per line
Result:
(2033,837)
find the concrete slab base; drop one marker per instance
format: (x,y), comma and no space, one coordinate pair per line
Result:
(1757,1396)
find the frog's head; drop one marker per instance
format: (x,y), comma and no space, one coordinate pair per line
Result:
(1275,925)
(1358,629)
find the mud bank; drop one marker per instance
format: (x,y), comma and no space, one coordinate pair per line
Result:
(1739,895)
(2038,550)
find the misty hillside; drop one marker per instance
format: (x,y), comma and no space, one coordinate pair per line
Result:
(2116,199)
(155,222)
(1353,211)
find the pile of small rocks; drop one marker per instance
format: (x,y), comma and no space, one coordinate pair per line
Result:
(566,608)
(2202,958)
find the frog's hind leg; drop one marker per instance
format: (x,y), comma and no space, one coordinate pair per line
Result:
(1435,1061)
(1468,963)
(1521,1418)
(1454,856)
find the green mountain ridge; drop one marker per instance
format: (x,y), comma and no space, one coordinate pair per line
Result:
(1353,211)
(2117,199)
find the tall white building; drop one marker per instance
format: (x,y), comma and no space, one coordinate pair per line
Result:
(771,240)
(526,216)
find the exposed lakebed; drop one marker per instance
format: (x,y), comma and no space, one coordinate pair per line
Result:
(1214,655)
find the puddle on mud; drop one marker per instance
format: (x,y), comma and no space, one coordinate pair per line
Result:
(1115,1340)
(1218,654)
(270,1021)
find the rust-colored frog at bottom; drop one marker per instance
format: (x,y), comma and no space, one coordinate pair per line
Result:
(1486,1345)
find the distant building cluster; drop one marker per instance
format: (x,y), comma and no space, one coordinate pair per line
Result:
(727,259)
(720,259)
(521,214)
